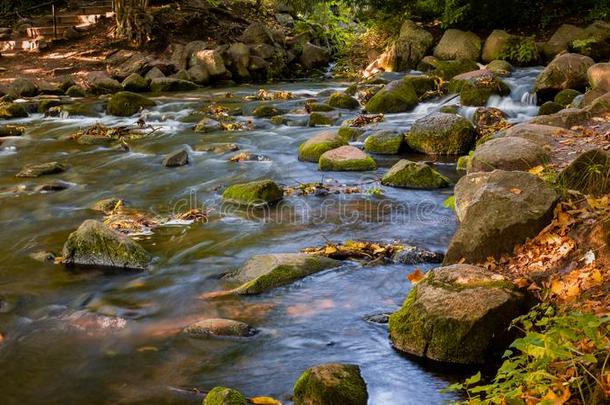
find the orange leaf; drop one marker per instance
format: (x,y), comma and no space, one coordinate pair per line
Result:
(516,191)
(264,401)
(416,276)
(521,282)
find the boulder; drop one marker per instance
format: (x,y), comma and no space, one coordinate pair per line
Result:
(265,272)
(566,118)
(11,130)
(101,83)
(565,97)
(456,44)
(41,169)
(314,56)
(239,57)
(417,175)
(224,396)
(424,86)
(384,143)
(346,158)
(543,135)
(441,134)
(266,111)
(457,314)
(254,193)
(499,67)
(199,74)
(566,71)
(350,134)
(599,76)
(137,63)
(505,206)
(331,384)
(476,87)
(12,110)
(397,96)
(23,87)
(589,173)
(314,147)
(189,49)
(136,83)
(550,107)
(168,84)
(317,119)
(343,100)
(176,159)
(257,33)
(487,121)
(211,60)
(219,327)
(95,244)
(562,38)
(447,69)
(494,46)
(408,50)
(507,153)
(599,106)
(126,104)
(154,73)
(76,91)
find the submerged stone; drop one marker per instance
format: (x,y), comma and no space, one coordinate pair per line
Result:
(219,327)
(125,104)
(43,169)
(261,192)
(176,159)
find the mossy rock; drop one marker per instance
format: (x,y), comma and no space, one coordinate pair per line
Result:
(589,173)
(384,143)
(107,205)
(448,69)
(319,107)
(255,193)
(343,100)
(11,130)
(126,104)
(266,111)
(136,83)
(346,158)
(219,327)
(423,85)
(265,272)
(76,91)
(565,97)
(78,108)
(224,396)
(450,109)
(457,314)
(12,110)
(441,134)
(94,244)
(46,104)
(313,148)
(550,107)
(417,175)
(476,87)
(350,134)
(508,153)
(168,84)
(397,96)
(500,67)
(42,169)
(331,384)
(463,162)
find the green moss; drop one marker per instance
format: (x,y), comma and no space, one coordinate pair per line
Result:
(407,326)
(331,384)
(136,83)
(500,67)
(550,107)
(454,137)
(12,110)
(319,119)
(254,193)
(76,91)
(355,165)
(350,134)
(384,143)
(312,149)
(450,109)
(166,84)
(46,104)
(423,85)
(86,110)
(447,69)
(565,97)
(319,107)
(224,396)
(417,175)
(343,100)
(463,162)
(397,96)
(125,104)
(266,111)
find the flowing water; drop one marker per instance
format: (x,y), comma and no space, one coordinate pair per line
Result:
(89,336)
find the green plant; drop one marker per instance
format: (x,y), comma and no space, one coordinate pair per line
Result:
(560,357)
(450,203)
(520,50)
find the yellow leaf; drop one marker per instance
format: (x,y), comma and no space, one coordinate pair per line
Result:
(557,287)
(596,277)
(573,291)
(537,171)
(264,401)
(416,276)
(329,250)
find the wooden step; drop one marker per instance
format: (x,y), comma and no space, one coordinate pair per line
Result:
(35,32)
(73,19)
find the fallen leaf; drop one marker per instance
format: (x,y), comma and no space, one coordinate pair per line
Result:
(416,276)
(147,349)
(264,401)
(516,191)
(537,171)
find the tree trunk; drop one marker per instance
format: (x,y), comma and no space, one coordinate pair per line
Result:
(132,21)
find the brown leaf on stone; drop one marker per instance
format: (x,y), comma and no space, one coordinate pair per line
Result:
(416,276)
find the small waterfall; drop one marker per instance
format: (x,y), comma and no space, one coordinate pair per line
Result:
(529,98)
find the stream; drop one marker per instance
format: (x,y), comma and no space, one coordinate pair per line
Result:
(76,336)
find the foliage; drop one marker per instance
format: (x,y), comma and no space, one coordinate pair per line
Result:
(331,22)
(561,357)
(520,51)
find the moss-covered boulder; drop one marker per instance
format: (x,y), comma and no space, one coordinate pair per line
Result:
(384,143)
(350,134)
(331,384)
(499,67)
(425,86)
(41,169)
(565,97)
(417,175)
(320,119)
(136,83)
(447,69)
(95,244)
(566,71)
(265,272)
(169,84)
(100,83)
(219,327)
(125,104)
(319,107)
(254,193)
(266,111)
(12,110)
(475,88)
(507,206)
(11,130)
(314,147)
(346,158)
(456,44)
(224,396)
(397,96)
(76,91)
(550,107)
(343,100)
(508,153)
(457,314)
(441,134)
(589,173)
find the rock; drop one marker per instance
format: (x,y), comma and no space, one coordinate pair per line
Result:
(176,159)
(259,69)
(199,74)
(43,169)
(136,83)
(447,69)
(507,153)
(566,118)
(599,106)
(499,67)
(254,193)
(589,173)
(107,205)
(52,187)
(397,96)
(343,100)
(219,148)
(219,327)
(423,85)
(457,314)
(265,272)
(285,20)
(408,50)
(101,83)
(381,319)
(12,110)
(154,73)
(441,134)
(137,63)
(599,76)
(414,255)
(266,111)
(11,130)
(331,384)
(48,88)
(314,147)
(126,104)
(350,134)
(561,40)
(317,119)
(497,206)
(550,107)
(318,107)
(211,60)
(239,56)
(566,71)
(456,44)
(76,91)
(417,175)
(346,158)
(94,244)
(384,143)
(224,396)
(488,120)
(22,87)
(543,135)
(257,33)
(477,87)
(168,84)
(264,51)
(314,56)
(565,97)
(495,45)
